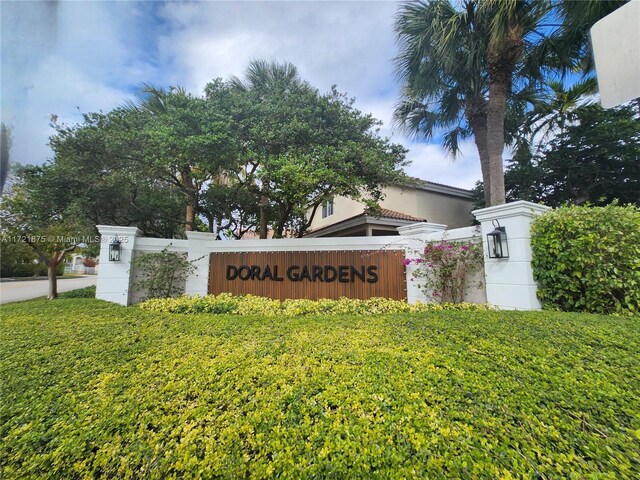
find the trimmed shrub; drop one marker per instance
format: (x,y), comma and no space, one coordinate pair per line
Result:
(22,270)
(91,389)
(86,292)
(42,270)
(17,270)
(587,259)
(247,305)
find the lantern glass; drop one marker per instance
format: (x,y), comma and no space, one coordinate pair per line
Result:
(497,242)
(114,251)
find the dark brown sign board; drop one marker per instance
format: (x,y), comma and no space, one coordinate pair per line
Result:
(310,274)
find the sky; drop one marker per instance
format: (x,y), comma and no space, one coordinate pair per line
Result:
(66,58)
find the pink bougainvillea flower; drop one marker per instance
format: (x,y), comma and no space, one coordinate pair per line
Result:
(406,261)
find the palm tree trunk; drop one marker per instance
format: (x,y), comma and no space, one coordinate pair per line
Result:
(484,165)
(476,114)
(502,55)
(498,92)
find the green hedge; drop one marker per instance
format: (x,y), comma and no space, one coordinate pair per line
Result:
(22,270)
(86,292)
(587,259)
(267,307)
(95,390)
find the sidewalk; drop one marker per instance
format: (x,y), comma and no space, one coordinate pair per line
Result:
(28,279)
(25,289)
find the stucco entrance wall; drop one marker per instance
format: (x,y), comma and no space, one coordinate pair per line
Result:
(506,283)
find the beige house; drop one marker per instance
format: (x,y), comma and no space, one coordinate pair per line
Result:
(417,201)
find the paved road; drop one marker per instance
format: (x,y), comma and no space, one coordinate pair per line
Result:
(24,290)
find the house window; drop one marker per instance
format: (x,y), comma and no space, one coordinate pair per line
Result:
(327,208)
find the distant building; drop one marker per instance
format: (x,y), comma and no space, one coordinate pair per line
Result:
(415,201)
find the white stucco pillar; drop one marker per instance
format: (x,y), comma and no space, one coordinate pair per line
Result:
(509,281)
(416,235)
(199,253)
(114,278)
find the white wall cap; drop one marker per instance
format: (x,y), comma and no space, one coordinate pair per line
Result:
(201,236)
(455,234)
(421,228)
(120,231)
(513,209)
(171,244)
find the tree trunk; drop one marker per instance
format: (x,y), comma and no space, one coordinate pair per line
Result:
(502,55)
(264,202)
(190,219)
(53,280)
(477,119)
(485,167)
(192,198)
(498,91)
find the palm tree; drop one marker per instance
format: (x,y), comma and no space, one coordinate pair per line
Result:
(441,64)
(576,20)
(515,29)
(267,77)
(556,106)
(485,49)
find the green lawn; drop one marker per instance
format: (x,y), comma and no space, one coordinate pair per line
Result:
(94,390)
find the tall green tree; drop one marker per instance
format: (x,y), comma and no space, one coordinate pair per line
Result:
(40,212)
(189,140)
(515,31)
(576,19)
(442,67)
(594,158)
(274,97)
(449,63)
(302,147)
(102,163)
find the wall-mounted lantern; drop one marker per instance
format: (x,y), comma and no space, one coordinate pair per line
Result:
(497,242)
(114,250)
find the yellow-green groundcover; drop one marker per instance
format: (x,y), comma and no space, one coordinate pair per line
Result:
(267,307)
(95,390)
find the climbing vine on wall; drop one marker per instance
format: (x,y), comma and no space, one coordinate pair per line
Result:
(161,274)
(444,268)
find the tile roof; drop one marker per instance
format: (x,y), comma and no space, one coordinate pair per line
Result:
(434,187)
(386,213)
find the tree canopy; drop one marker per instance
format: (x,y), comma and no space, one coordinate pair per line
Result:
(476,67)
(251,154)
(303,147)
(41,212)
(594,158)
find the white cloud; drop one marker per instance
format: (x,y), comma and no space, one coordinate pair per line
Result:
(350,44)
(63,58)
(431,162)
(92,54)
(67,92)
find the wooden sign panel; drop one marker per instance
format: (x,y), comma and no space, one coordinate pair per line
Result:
(313,275)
